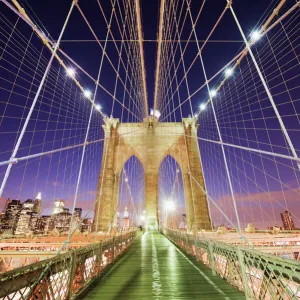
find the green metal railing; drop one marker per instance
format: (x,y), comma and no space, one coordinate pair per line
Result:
(257,274)
(65,275)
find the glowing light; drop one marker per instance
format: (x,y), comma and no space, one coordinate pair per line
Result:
(98,107)
(156,113)
(70,72)
(39,196)
(143,217)
(202,106)
(213,93)
(87,94)
(255,36)
(228,72)
(144,211)
(169,205)
(126,179)
(177,171)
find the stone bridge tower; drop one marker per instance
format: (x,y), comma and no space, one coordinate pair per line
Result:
(151,141)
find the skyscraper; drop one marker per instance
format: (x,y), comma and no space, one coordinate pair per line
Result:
(287,221)
(28,215)
(12,209)
(58,206)
(126,220)
(77,212)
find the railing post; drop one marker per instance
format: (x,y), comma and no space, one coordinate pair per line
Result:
(113,249)
(72,273)
(211,257)
(100,258)
(243,271)
(186,242)
(122,243)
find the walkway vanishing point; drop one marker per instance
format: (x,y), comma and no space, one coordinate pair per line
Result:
(154,268)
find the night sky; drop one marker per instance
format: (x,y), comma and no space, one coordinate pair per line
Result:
(264,186)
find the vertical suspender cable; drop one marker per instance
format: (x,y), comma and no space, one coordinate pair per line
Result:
(16,148)
(88,126)
(218,129)
(283,128)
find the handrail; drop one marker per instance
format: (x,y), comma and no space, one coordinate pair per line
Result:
(67,274)
(259,275)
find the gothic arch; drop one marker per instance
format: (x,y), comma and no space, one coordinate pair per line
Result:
(151,141)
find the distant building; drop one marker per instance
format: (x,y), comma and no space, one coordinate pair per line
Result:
(11,213)
(126,220)
(43,225)
(2,215)
(118,221)
(58,206)
(287,221)
(77,212)
(61,221)
(183,224)
(86,225)
(28,215)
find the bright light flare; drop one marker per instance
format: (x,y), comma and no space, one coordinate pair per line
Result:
(213,93)
(142,217)
(156,113)
(98,107)
(169,205)
(87,94)
(255,36)
(228,72)
(70,72)
(202,106)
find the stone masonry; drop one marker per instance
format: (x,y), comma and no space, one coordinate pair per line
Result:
(151,141)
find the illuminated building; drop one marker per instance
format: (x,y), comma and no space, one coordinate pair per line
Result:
(61,221)
(86,225)
(126,220)
(77,212)
(183,224)
(287,221)
(10,219)
(118,221)
(43,225)
(58,206)
(28,215)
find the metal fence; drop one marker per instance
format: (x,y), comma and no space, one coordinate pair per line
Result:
(65,275)
(257,274)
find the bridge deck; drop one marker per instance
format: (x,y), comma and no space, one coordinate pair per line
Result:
(153,268)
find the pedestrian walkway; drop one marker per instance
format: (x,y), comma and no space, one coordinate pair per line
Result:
(153,268)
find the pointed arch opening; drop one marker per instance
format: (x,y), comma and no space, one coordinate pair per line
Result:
(131,195)
(171,199)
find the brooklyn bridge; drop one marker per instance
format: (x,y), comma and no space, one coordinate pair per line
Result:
(149,149)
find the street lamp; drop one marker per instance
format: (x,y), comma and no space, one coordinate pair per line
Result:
(98,107)
(169,205)
(70,72)
(202,106)
(228,72)
(255,35)
(213,93)
(87,94)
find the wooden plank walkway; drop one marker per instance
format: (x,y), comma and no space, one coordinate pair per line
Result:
(153,268)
